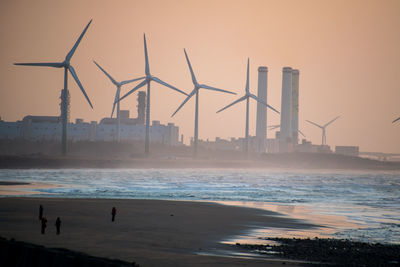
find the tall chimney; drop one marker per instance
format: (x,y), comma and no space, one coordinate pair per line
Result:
(295,106)
(141,107)
(261,126)
(286,110)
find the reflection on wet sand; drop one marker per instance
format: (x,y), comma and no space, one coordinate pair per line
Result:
(326,225)
(11,188)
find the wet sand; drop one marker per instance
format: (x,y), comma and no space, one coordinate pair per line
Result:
(148,232)
(11,188)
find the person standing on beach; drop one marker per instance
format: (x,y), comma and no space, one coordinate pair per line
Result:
(40,212)
(58,225)
(44,225)
(113,213)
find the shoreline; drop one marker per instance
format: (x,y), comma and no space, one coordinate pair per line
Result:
(307,161)
(149,232)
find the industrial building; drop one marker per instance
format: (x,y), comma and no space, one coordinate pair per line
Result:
(49,128)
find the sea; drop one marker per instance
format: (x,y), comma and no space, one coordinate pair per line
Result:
(356,205)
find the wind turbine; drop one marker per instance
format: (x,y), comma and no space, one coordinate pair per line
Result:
(195,91)
(148,79)
(247,97)
(117,96)
(396,120)
(323,128)
(67,67)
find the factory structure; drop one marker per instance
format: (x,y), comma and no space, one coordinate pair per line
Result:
(49,128)
(286,140)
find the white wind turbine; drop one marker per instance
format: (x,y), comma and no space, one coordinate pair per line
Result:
(195,91)
(247,97)
(117,96)
(67,67)
(148,79)
(323,128)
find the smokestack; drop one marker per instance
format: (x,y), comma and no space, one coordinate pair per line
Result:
(261,127)
(295,106)
(286,110)
(141,107)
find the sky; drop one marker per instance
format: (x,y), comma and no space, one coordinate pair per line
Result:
(347,53)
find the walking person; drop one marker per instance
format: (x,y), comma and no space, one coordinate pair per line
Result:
(44,225)
(40,212)
(58,225)
(113,213)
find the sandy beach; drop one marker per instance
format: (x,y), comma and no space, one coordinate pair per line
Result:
(148,232)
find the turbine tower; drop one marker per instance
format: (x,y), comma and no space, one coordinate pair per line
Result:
(117,96)
(67,67)
(148,79)
(247,97)
(323,128)
(195,91)
(396,120)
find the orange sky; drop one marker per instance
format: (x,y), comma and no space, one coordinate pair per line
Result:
(347,53)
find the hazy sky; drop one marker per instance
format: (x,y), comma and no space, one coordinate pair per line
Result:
(347,52)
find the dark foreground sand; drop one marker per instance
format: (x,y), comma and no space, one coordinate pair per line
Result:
(148,232)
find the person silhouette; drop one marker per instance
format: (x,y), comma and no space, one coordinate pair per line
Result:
(58,225)
(40,212)
(113,213)
(44,225)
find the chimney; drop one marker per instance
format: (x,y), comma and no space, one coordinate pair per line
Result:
(261,127)
(295,106)
(286,110)
(141,107)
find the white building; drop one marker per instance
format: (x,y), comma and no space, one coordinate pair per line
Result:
(49,128)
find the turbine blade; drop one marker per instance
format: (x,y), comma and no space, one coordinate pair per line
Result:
(396,120)
(184,102)
(233,103)
(131,81)
(115,100)
(247,79)
(146,57)
(301,133)
(133,90)
(331,121)
(112,112)
(71,69)
(167,85)
(105,72)
(71,53)
(49,64)
(215,89)
(313,123)
(273,127)
(190,68)
(262,102)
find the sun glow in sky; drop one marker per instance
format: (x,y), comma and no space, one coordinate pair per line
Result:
(347,53)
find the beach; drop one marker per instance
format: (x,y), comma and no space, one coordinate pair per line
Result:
(148,232)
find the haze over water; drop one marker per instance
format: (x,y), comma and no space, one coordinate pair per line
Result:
(368,203)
